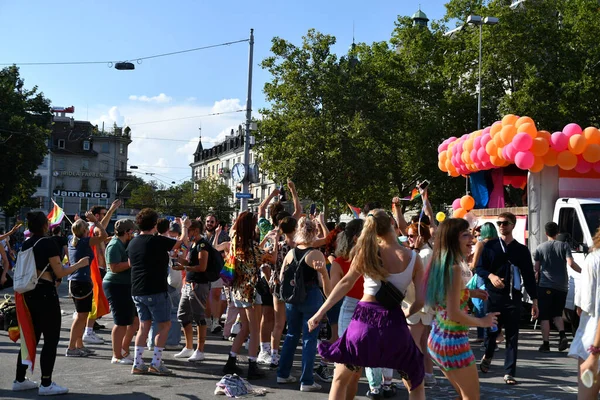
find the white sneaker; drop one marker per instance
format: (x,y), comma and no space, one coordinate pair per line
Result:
(315,387)
(25,385)
(52,390)
(247,343)
(264,358)
(197,356)
(185,353)
(121,361)
(289,379)
(92,338)
(127,356)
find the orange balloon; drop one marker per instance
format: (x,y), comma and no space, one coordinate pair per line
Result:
(591,153)
(491,148)
(449,165)
(509,119)
(468,146)
(442,157)
(453,173)
(498,140)
(567,160)
(538,165)
(508,133)
(551,158)
(467,202)
(524,120)
(592,135)
(442,166)
(459,213)
(540,146)
(495,129)
(500,152)
(577,144)
(529,129)
(497,161)
(544,134)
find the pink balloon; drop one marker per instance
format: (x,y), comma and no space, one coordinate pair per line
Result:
(442,147)
(505,153)
(487,165)
(572,129)
(477,142)
(481,153)
(511,151)
(487,130)
(597,167)
(522,141)
(524,159)
(473,155)
(485,139)
(583,167)
(559,141)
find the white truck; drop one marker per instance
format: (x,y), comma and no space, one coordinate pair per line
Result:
(570,199)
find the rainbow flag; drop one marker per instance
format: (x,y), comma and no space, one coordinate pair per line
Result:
(413,195)
(100,306)
(27,333)
(55,216)
(355,211)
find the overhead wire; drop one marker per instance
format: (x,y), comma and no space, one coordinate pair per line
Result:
(138,59)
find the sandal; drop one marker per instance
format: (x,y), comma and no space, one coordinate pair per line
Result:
(484,366)
(509,380)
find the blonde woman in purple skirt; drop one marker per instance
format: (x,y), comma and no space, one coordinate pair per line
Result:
(378,337)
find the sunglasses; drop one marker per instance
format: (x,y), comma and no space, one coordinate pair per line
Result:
(411,236)
(503,223)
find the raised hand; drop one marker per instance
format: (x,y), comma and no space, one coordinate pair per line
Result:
(90,217)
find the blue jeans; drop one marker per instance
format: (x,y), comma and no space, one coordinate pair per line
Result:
(174,337)
(297,319)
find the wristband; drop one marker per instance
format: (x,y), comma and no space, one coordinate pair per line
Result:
(594,350)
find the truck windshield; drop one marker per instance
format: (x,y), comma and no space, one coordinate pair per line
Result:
(592,216)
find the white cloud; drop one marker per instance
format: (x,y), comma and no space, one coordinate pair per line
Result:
(190,99)
(169,159)
(160,99)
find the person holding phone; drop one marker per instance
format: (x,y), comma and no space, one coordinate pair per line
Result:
(43,304)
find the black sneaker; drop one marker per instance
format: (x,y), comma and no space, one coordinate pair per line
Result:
(97,326)
(389,391)
(231,367)
(254,371)
(374,394)
(545,348)
(563,344)
(322,372)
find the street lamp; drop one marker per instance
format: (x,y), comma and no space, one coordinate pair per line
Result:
(479,21)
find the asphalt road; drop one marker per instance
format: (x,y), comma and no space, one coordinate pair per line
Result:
(541,376)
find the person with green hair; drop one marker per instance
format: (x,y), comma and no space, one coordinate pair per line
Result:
(487,232)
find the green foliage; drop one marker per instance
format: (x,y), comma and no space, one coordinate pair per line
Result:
(24,119)
(212,195)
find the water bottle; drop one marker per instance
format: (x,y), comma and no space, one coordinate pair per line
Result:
(494,328)
(587,378)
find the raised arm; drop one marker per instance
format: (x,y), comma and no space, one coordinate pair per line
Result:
(427,207)
(113,207)
(9,233)
(397,208)
(262,208)
(101,234)
(295,199)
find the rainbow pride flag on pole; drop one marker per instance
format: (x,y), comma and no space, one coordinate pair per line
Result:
(413,195)
(55,216)
(355,211)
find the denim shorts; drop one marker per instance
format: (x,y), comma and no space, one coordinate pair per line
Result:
(153,307)
(244,304)
(346,313)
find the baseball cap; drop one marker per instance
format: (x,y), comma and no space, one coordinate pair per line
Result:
(175,227)
(124,225)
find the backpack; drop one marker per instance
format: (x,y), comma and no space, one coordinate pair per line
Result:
(292,289)
(215,262)
(26,274)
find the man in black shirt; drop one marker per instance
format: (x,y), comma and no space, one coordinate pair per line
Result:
(194,294)
(216,301)
(503,262)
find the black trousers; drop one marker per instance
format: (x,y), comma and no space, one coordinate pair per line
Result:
(509,318)
(45,314)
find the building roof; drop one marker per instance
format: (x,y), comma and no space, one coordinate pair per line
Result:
(420,15)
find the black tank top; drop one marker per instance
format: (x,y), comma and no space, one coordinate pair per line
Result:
(309,273)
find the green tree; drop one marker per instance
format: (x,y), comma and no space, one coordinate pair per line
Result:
(24,118)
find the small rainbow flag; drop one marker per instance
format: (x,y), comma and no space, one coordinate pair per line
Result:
(55,216)
(355,211)
(413,195)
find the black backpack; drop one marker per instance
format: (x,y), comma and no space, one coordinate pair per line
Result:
(292,289)
(215,262)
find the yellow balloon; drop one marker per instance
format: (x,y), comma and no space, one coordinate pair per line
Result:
(440,217)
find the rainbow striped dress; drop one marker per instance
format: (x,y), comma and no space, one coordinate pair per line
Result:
(448,342)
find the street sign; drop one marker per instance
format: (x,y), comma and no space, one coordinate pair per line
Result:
(243,195)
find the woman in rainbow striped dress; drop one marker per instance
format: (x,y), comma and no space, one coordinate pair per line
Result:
(447,294)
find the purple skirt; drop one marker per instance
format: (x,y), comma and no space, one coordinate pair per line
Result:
(377,338)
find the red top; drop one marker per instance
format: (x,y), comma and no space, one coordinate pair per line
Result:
(357,290)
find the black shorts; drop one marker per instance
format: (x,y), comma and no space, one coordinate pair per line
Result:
(82,293)
(121,303)
(262,287)
(551,303)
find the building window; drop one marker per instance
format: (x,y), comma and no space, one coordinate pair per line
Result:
(86,144)
(103,185)
(60,163)
(61,143)
(84,186)
(103,166)
(105,148)
(121,148)
(85,165)
(123,166)
(83,205)
(239,159)
(103,202)
(257,192)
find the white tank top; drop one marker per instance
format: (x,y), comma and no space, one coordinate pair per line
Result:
(400,280)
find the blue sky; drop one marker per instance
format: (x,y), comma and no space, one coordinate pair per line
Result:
(179,86)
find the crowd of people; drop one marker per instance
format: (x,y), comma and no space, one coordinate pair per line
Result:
(396,295)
